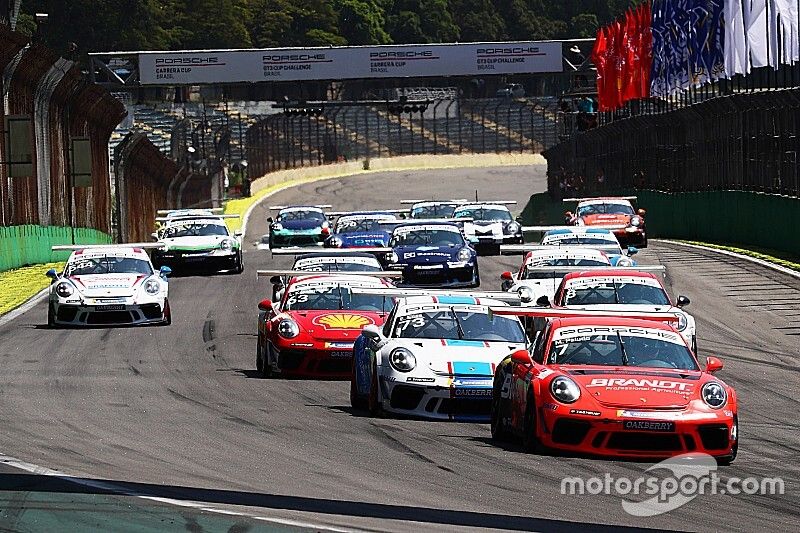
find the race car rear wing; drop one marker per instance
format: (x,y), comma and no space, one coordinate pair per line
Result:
(293,273)
(599,198)
(494,202)
(426,220)
(194,217)
(317,250)
(318,206)
(410,292)
(550,312)
(553,228)
(453,201)
(517,248)
(206,209)
(568,269)
(376,212)
(143,245)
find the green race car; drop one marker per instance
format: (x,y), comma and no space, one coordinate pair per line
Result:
(205,243)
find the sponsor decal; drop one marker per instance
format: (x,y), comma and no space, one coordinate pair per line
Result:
(648,425)
(473,393)
(627,413)
(345,345)
(342,321)
(470,382)
(550,406)
(341,354)
(303,344)
(412,379)
(643,384)
(584,412)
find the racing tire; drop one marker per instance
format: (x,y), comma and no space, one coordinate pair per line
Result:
(728,459)
(356,401)
(167,314)
(499,430)
(266,366)
(374,402)
(259,360)
(51,316)
(477,277)
(694,345)
(239,268)
(530,442)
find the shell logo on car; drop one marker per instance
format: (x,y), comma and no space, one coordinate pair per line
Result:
(343,321)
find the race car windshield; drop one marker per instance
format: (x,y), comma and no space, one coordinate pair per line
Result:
(530,273)
(433,211)
(288,216)
(428,238)
(339,267)
(108,265)
(612,292)
(622,349)
(605,209)
(343,227)
(190,229)
(444,324)
(483,214)
(336,297)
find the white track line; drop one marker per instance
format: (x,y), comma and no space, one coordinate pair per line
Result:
(24,308)
(122,491)
(755,260)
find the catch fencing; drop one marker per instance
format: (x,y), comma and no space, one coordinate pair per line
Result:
(328,132)
(738,142)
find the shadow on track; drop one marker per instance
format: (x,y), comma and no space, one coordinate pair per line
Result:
(73,485)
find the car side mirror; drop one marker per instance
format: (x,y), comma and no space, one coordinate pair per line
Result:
(52,274)
(270,220)
(374,334)
(683,301)
(276,280)
(519,219)
(265,305)
(154,235)
(238,233)
(543,301)
(632,250)
(641,212)
(165,271)
(713,365)
(522,357)
(506,276)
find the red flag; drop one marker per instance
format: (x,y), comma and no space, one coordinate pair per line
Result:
(646,55)
(599,57)
(619,64)
(631,73)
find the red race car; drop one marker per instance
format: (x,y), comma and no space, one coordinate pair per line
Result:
(599,384)
(615,213)
(310,332)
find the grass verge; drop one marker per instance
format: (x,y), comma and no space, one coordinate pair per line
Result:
(22,284)
(773,256)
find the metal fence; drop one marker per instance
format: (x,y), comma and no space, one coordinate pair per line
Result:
(62,106)
(316,134)
(742,142)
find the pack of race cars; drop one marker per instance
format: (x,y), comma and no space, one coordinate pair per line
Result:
(581,350)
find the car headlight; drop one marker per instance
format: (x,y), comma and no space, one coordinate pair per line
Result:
(513,228)
(636,221)
(464,255)
(714,395)
(402,360)
(65,289)
(624,262)
(226,244)
(565,390)
(288,329)
(683,321)
(525,294)
(336,242)
(277,226)
(392,257)
(152,286)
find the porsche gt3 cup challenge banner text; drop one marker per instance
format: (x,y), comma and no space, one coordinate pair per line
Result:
(293,64)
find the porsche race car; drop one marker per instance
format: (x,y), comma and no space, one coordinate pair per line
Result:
(198,242)
(491,225)
(108,286)
(611,211)
(298,225)
(602,239)
(433,209)
(435,355)
(362,229)
(612,384)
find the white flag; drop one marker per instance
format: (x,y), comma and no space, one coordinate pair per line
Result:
(755,23)
(790,43)
(773,50)
(735,41)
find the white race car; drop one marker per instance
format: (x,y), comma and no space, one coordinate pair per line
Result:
(207,242)
(491,225)
(108,285)
(539,276)
(434,357)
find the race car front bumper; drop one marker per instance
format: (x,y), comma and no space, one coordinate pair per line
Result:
(212,259)
(438,398)
(318,360)
(116,314)
(637,433)
(442,275)
(297,239)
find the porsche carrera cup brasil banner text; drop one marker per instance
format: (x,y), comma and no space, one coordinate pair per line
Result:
(294,64)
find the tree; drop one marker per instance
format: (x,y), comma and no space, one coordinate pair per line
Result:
(362,22)
(584,26)
(216,24)
(478,20)
(422,21)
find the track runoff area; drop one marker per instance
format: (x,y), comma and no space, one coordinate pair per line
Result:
(174,425)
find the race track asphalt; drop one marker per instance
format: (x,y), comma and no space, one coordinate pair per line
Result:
(178,412)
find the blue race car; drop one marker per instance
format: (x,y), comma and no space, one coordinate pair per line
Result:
(433,253)
(297,225)
(361,230)
(587,237)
